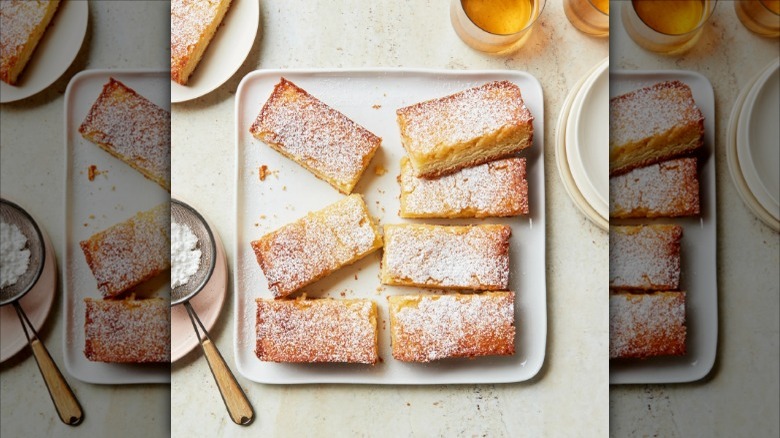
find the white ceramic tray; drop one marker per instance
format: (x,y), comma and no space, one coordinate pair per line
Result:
(54,54)
(92,206)
(698,249)
(225,54)
(370,97)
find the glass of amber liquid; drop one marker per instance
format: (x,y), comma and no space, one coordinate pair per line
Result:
(666,26)
(495,25)
(759,16)
(589,16)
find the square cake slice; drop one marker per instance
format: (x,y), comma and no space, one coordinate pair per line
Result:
(316,245)
(666,189)
(22,25)
(645,257)
(319,138)
(320,330)
(129,253)
(424,328)
(459,257)
(646,324)
(193,25)
(496,189)
(133,129)
(128,331)
(653,124)
(465,129)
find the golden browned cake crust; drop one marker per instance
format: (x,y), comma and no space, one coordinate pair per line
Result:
(498,189)
(128,331)
(316,245)
(193,24)
(133,129)
(666,189)
(431,327)
(465,129)
(130,252)
(319,138)
(22,24)
(653,124)
(646,324)
(645,257)
(459,257)
(321,330)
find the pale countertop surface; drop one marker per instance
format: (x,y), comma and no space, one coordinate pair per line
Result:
(740,396)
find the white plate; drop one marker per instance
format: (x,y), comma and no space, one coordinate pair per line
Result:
(758,139)
(54,54)
(225,54)
(563,162)
(207,305)
(36,304)
(370,97)
(587,139)
(110,199)
(733,160)
(698,249)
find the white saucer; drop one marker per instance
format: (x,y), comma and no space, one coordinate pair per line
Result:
(758,139)
(54,54)
(225,54)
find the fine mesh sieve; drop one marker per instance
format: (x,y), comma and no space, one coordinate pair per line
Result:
(12,214)
(183,214)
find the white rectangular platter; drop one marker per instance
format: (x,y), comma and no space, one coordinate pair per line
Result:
(370,97)
(92,206)
(698,250)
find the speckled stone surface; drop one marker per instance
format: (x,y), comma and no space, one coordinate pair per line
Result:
(32,161)
(567,398)
(740,396)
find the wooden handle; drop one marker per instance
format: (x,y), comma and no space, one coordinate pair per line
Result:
(65,401)
(237,404)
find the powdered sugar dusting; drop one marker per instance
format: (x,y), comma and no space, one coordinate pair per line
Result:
(185,256)
(645,257)
(498,188)
(667,189)
(128,331)
(427,328)
(14,257)
(651,111)
(467,257)
(132,128)
(130,252)
(323,330)
(462,116)
(315,135)
(315,245)
(645,325)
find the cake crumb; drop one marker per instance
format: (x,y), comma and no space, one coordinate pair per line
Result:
(356,277)
(92,216)
(257,224)
(263,172)
(86,224)
(379,170)
(93,171)
(376,106)
(343,294)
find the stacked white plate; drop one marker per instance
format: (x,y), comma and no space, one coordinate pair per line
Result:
(753,145)
(582,144)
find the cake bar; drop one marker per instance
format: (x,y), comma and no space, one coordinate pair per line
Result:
(128,331)
(465,129)
(667,189)
(193,24)
(497,189)
(320,330)
(430,327)
(133,129)
(646,324)
(316,136)
(130,252)
(653,124)
(316,245)
(460,257)
(22,25)
(645,257)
